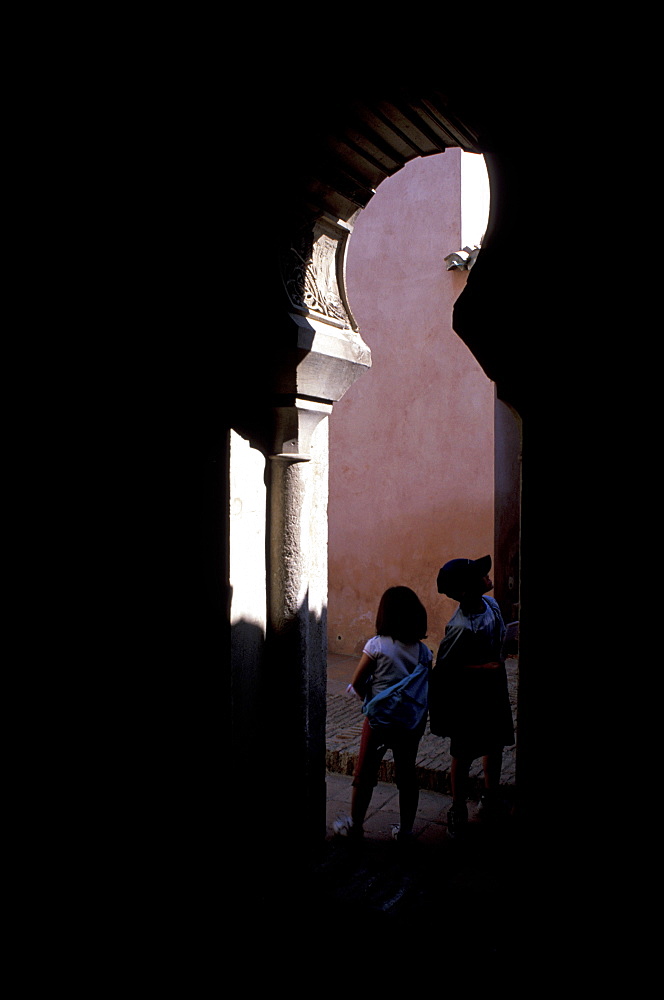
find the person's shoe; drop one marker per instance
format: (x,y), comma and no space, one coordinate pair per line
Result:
(457,821)
(490,808)
(484,806)
(404,838)
(344,827)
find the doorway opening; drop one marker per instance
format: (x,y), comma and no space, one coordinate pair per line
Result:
(414,445)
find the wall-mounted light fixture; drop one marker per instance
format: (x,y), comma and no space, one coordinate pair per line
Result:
(462,260)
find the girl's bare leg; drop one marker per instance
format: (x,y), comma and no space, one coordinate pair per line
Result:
(493,763)
(359,804)
(459,780)
(408,800)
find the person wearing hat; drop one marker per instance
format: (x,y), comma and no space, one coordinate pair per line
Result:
(468,695)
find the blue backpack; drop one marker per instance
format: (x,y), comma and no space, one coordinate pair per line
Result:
(404,703)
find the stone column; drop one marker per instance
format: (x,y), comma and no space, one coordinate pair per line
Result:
(323,356)
(296,661)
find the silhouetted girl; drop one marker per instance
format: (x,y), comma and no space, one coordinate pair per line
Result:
(393,679)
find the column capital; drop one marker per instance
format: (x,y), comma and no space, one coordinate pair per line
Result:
(294,424)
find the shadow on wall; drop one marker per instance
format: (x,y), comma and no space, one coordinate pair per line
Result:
(247,652)
(278,707)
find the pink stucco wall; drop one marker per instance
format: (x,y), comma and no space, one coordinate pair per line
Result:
(411,443)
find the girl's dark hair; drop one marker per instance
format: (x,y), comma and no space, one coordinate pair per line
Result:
(401,615)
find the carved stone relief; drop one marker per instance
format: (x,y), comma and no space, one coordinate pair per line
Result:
(313,271)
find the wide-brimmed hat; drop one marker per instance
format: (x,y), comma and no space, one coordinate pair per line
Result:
(454,576)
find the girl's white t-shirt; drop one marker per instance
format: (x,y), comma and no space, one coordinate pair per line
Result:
(394,660)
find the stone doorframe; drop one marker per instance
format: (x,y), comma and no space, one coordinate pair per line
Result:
(316,355)
(320,356)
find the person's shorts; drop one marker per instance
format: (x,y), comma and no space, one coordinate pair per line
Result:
(373,745)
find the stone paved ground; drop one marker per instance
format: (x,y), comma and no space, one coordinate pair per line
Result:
(509,898)
(469,903)
(374,886)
